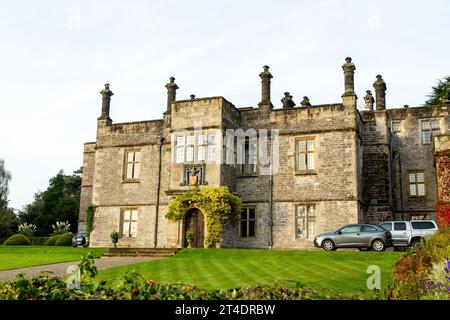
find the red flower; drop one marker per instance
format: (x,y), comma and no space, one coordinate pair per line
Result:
(151,282)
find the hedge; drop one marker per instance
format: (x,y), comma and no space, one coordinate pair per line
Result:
(38,241)
(65,239)
(17,240)
(52,240)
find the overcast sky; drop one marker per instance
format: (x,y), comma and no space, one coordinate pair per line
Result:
(55,57)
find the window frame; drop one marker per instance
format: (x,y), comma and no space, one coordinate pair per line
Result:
(430,129)
(134,164)
(130,222)
(416,183)
(244,168)
(306,219)
(306,152)
(248,220)
(207,144)
(394,123)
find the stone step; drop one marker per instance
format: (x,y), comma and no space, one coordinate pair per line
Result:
(140,252)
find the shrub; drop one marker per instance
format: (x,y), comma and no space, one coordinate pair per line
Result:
(64,239)
(60,227)
(38,241)
(52,240)
(27,229)
(17,240)
(418,273)
(134,286)
(218,204)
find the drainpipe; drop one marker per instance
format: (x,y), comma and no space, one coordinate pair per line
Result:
(401,185)
(270,202)
(158,189)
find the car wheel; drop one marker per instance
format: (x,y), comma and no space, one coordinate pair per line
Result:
(328,245)
(378,245)
(416,243)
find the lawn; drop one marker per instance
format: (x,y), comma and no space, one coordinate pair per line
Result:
(13,257)
(340,271)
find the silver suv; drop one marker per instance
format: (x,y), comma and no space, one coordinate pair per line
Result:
(409,233)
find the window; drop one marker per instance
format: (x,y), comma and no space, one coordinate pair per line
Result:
(430,128)
(416,184)
(198,148)
(306,221)
(351,229)
(132,165)
(368,229)
(129,223)
(250,157)
(248,222)
(396,126)
(306,155)
(423,225)
(387,226)
(399,226)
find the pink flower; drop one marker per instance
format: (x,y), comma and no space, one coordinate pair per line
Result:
(151,282)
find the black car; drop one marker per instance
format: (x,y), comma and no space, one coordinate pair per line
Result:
(80,239)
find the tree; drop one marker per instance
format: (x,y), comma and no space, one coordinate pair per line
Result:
(5,177)
(60,202)
(8,222)
(439,92)
(8,219)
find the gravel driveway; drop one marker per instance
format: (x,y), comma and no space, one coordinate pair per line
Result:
(60,269)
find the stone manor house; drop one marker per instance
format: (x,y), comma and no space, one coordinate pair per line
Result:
(336,165)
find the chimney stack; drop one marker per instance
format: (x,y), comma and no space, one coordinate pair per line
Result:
(171,92)
(287,101)
(305,102)
(106,102)
(349,77)
(369,100)
(265,89)
(380,93)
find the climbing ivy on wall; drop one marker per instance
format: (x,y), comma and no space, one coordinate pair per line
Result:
(90,212)
(218,205)
(443,181)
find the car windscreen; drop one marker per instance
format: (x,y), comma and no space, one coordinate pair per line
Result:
(422,225)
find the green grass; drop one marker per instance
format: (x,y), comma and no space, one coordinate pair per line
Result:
(13,257)
(341,271)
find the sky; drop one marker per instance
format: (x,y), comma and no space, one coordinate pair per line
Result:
(55,57)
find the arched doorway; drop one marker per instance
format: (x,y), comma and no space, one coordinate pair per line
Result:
(194,223)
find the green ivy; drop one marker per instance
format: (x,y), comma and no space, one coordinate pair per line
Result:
(90,212)
(218,205)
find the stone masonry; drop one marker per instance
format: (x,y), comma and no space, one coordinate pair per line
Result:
(357,168)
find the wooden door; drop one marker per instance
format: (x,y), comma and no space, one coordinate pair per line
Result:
(194,223)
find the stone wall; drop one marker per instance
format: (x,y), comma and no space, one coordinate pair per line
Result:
(87,181)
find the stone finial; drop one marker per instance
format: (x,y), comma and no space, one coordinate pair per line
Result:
(171,92)
(380,93)
(192,96)
(305,102)
(369,100)
(106,102)
(287,101)
(349,74)
(265,87)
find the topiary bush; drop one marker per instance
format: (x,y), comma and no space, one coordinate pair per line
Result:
(17,240)
(38,241)
(52,240)
(65,239)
